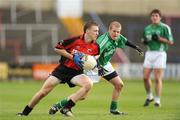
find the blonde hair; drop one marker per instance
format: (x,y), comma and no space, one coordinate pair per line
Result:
(115,23)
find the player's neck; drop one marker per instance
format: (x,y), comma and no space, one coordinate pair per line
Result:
(87,39)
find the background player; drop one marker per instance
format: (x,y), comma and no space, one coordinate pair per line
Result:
(157,36)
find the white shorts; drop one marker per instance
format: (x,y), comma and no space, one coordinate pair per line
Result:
(155,59)
(93,74)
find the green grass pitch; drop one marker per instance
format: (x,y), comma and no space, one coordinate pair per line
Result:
(15,95)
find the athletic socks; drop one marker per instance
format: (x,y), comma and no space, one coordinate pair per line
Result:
(113,105)
(157,99)
(149,95)
(69,104)
(27,110)
(62,103)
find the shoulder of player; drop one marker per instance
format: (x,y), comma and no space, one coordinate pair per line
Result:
(71,39)
(102,37)
(164,25)
(148,27)
(122,37)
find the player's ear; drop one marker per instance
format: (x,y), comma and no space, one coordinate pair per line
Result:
(87,30)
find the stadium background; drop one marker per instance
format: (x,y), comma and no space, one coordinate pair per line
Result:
(30,29)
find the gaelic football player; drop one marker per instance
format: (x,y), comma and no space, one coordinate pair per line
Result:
(70,69)
(156,36)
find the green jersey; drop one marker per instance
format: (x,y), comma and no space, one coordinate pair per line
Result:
(160,29)
(108,47)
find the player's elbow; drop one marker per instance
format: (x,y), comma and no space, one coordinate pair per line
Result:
(55,49)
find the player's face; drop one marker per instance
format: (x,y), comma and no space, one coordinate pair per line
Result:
(114,32)
(155,18)
(93,32)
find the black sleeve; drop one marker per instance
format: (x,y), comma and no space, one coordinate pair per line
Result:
(137,48)
(128,43)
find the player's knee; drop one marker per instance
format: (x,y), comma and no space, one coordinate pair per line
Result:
(88,85)
(119,85)
(157,80)
(42,94)
(146,78)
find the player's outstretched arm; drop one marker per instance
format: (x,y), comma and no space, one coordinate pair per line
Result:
(137,48)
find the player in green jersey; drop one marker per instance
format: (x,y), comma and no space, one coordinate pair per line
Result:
(108,43)
(156,36)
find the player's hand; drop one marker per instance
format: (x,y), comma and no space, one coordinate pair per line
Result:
(77,59)
(155,37)
(144,41)
(101,70)
(140,52)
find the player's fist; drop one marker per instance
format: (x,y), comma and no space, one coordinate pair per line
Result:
(155,36)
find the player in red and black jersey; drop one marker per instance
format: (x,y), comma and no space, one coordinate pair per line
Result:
(70,69)
(76,45)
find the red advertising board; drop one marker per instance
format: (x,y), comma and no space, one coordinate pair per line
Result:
(42,71)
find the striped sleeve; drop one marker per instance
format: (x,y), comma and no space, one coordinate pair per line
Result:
(168,33)
(64,44)
(59,46)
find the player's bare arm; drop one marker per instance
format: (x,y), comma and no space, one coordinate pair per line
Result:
(164,40)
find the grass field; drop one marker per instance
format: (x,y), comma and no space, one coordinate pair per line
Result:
(15,95)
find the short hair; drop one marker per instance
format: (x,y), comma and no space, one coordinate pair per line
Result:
(115,23)
(89,25)
(157,11)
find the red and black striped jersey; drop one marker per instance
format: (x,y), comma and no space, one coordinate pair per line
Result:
(76,44)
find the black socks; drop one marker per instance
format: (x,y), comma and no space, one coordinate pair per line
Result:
(27,110)
(69,104)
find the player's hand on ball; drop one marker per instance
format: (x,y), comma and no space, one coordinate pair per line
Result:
(89,62)
(77,59)
(140,52)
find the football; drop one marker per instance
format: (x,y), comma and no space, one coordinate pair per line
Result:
(89,62)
